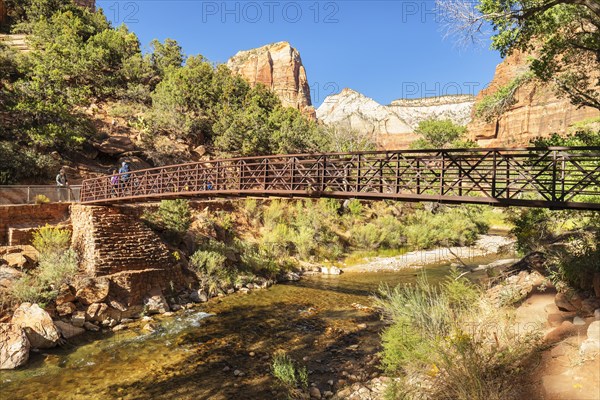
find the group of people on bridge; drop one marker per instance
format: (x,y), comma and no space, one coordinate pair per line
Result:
(120,177)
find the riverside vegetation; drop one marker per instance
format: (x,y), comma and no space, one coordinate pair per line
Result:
(266,238)
(450,342)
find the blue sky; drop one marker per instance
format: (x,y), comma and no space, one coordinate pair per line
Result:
(383,49)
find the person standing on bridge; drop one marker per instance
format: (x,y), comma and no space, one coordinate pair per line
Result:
(124,171)
(114,181)
(62,184)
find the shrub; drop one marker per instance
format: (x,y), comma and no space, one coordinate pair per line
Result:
(494,105)
(18,163)
(285,370)
(274,213)
(447,343)
(338,139)
(175,215)
(452,227)
(576,262)
(278,240)
(57,269)
(51,240)
(367,236)
(27,289)
(41,199)
(54,269)
(439,134)
(329,207)
(304,242)
(207,261)
(210,268)
(355,208)
(532,228)
(252,210)
(172,216)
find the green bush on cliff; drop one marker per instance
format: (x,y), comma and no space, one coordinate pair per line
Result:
(207,262)
(78,63)
(495,104)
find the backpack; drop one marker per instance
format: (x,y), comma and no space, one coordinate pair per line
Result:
(124,168)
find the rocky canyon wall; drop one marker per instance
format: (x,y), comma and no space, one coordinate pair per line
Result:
(537,111)
(279,67)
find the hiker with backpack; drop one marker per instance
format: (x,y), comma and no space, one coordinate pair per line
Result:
(124,171)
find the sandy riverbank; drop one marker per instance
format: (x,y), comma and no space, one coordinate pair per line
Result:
(486,245)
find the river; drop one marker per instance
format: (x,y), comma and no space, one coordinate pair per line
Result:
(322,322)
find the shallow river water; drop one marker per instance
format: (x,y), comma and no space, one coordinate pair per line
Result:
(318,321)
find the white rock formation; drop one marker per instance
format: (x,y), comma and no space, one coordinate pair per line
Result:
(456,108)
(392,125)
(353,110)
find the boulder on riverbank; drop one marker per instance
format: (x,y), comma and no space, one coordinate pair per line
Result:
(95,291)
(14,346)
(37,324)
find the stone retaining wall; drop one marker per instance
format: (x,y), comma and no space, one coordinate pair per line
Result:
(114,244)
(29,216)
(109,242)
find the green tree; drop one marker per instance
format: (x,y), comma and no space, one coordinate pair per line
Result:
(441,134)
(23,11)
(562,36)
(166,55)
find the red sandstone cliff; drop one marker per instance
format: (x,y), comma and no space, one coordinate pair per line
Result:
(279,67)
(537,112)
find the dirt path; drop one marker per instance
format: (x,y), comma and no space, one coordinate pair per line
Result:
(561,371)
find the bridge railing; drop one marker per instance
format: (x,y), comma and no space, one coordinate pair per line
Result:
(551,177)
(27,194)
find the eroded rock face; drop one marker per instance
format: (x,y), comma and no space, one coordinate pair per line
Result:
(37,324)
(279,67)
(537,112)
(14,346)
(568,301)
(95,291)
(392,126)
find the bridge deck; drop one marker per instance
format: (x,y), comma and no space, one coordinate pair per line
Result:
(555,177)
